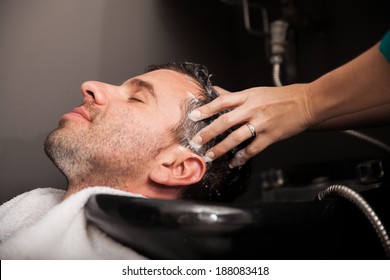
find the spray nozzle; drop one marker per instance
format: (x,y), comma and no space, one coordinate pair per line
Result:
(278,40)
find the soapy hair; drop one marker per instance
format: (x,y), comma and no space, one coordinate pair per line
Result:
(220,183)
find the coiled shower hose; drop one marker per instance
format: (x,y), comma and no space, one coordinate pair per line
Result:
(361,203)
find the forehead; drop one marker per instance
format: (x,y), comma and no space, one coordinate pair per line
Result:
(171,88)
(169,82)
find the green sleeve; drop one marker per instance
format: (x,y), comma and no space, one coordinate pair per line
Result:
(384,47)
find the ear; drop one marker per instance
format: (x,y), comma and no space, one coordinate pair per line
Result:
(177,166)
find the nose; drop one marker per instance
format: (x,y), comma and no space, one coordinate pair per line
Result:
(95,92)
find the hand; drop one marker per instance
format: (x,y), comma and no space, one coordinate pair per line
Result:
(275,112)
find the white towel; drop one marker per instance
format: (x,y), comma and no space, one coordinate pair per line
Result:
(39,225)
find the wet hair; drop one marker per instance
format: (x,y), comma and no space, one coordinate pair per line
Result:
(220,183)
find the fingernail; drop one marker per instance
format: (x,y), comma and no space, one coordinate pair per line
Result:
(191,96)
(236,163)
(195,142)
(195,115)
(210,155)
(207,159)
(238,160)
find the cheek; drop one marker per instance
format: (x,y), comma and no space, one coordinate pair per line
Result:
(130,130)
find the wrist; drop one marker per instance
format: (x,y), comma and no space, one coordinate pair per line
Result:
(308,109)
(323,99)
(304,98)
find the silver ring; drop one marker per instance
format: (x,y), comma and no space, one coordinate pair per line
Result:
(252,129)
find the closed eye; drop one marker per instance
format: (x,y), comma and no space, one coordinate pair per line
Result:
(137,97)
(143,90)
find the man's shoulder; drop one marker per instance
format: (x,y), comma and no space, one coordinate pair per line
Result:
(40,197)
(26,209)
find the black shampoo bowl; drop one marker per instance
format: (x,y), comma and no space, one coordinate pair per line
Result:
(166,229)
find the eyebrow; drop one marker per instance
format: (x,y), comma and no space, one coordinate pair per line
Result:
(136,82)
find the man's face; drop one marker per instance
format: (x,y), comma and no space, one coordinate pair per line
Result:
(113,137)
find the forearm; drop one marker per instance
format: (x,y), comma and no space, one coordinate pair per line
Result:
(378,116)
(351,92)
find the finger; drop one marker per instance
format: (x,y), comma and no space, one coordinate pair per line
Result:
(220,125)
(231,141)
(249,151)
(221,103)
(221,91)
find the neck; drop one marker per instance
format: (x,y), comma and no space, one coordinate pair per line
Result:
(148,189)
(77,184)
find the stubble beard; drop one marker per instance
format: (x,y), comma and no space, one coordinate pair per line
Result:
(65,151)
(100,157)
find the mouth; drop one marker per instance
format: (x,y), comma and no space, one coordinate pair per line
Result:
(79,112)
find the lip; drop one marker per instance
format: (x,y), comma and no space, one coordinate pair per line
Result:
(80,113)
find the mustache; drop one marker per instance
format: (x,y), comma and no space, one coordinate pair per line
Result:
(91,108)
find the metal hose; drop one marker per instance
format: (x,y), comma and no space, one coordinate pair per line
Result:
(276,74)
(361,203)
(369,139)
